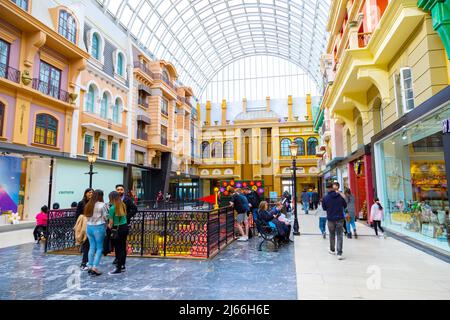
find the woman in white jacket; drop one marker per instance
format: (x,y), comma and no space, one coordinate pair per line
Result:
(377,215)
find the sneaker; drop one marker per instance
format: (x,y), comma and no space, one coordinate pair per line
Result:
(115,262)
(243,238)
(356,236)
(324,235)
(340,257)
(84,268)
(349,235)
(331,252)
(37,241)
(123,269)
(116,271)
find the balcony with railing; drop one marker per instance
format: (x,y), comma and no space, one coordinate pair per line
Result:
(142,135)
(144,68)
(143,103)
(9,73)
(47,89)
(364,38)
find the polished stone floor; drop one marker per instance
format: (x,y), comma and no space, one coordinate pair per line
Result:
(238,272)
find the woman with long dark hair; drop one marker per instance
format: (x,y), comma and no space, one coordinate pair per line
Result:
(118,224)
(80,208)
(96,212)
(350,215)
(377,215)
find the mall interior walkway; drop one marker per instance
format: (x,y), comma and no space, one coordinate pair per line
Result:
(374,268)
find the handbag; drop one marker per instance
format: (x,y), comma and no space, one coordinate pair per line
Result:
(114,233)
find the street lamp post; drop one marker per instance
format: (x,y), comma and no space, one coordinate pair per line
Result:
(178,189)
(294,149)
(91,157)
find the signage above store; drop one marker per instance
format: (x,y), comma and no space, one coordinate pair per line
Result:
(446,126)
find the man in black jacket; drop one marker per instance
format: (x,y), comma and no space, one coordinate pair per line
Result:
(334,204)
(129,203)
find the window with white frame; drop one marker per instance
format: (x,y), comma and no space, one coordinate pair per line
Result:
(404,92)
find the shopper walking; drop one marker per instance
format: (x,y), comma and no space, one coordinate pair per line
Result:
(322,219)
(376,216)
(239,206)
(305,199)
(350,215)
(315,199)
(119,230)
(85,245)
(96,212)
(334,204)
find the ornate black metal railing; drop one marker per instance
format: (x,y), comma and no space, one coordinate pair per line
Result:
(9,73)
(49,90)
(190,233)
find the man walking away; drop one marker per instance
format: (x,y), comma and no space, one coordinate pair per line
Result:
(305,201)
(334,204)
(238,204)
(315,199)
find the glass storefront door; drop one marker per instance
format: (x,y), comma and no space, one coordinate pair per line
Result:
(412,181)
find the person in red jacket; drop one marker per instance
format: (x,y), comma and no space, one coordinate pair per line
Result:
(41,224)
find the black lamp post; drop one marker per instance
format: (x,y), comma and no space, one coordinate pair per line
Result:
(178,188)
(92,157)
(294,149)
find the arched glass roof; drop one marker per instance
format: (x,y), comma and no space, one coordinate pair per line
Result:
(201,37)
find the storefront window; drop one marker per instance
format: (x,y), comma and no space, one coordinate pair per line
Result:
(412,183)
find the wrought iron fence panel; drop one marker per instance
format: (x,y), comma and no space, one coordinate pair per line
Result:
(60,232)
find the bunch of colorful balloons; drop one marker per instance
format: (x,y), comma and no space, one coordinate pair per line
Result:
(255,185)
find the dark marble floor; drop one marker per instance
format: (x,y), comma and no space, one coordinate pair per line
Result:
(238,272)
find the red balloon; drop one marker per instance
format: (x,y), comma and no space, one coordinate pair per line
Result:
(232,182)
(244,184)
(224,183)
(259,184)
(252,183)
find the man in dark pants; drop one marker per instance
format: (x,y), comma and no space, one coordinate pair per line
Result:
(129,203)
(253,200)
(334,204)
(315,199)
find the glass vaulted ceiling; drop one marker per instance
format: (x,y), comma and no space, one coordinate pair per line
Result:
(201,37)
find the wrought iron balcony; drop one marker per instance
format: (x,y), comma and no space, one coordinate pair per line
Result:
(52,91)
(9,73)
(165,112)
(143,67)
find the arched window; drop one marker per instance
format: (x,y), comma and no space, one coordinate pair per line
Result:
(206,153)
(312,144)
(46,129)
(216,150)
(228,149)
(2,117)
(120,64)
(285,151)
(67,26)
(165,76)
(95,50)
(115,111)
(104,106)
(301,146)
(90,99)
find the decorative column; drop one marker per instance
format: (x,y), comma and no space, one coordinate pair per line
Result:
(244,105)
(224,112)
(290,109)
(308,108)
(208,113)
(268,104)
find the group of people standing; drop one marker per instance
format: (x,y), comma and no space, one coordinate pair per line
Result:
(309,200)
(97,220)
(247,201)
(337,210)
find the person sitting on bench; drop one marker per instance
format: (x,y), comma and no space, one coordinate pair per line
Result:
(272,219)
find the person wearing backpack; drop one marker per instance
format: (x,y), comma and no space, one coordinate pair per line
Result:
(241,207)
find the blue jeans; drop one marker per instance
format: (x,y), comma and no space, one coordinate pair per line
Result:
(96,235)
(352,223)
(254,214)
(305,207)
(322,224)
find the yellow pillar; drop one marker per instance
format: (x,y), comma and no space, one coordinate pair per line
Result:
(308,107)
(290,111)
(224,112)
(22,121)
(267,104)
(208,113)
(199,115)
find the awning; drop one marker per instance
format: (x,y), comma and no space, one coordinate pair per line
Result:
(143,118)
(145,88)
